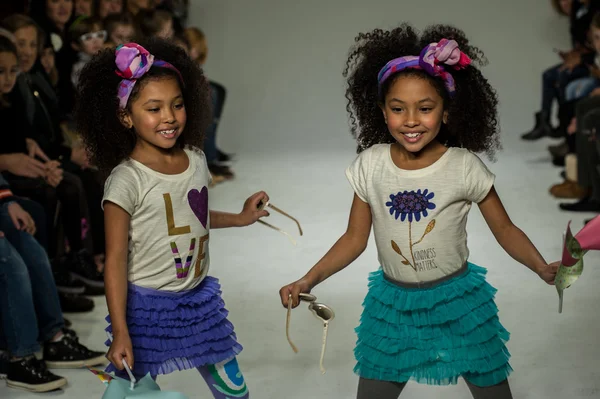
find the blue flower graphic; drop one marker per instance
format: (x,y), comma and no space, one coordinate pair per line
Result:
(411,204)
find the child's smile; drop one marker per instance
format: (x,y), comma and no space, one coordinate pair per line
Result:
(168,134)
(413,137)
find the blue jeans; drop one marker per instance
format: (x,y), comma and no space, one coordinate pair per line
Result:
(554,83)
(580,88)
(39,217)
(217,94)
(29,307)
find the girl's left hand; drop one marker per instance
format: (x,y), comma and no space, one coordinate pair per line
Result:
(250,214)
(548,272)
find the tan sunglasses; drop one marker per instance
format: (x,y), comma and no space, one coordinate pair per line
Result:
(263,205)
(321,312)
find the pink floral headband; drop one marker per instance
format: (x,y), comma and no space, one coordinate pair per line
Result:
(430,60)
(133,61)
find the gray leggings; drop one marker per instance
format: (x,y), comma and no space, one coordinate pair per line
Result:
(371,389)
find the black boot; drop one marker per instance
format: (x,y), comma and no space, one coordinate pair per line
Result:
(541,129)
(585,205)
(559,161)
(224,157)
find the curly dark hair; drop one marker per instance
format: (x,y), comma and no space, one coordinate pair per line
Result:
(107,140)
(472,112)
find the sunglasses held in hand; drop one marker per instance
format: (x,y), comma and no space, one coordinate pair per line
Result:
(321,312)
(263,205)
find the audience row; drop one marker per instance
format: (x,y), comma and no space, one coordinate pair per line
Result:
(51,222)
(573,86)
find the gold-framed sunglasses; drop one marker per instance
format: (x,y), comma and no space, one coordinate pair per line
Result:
(321,311)
(262,205)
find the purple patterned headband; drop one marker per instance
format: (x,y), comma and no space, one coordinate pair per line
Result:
(430,60)
(133,61)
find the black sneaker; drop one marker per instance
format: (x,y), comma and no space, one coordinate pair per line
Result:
(3,365)
(65,283)
(70,333)
(70,303)
(32,375)
(69,353)
(83,268)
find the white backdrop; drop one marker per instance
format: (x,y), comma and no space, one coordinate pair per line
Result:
(281,60)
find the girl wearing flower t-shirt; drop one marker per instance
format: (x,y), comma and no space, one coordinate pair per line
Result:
(419,110)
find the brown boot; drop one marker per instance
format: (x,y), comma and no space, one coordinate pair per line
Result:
(569,190)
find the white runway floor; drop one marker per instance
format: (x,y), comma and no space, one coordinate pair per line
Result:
(554,356)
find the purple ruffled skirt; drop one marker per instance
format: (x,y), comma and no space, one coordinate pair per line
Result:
(178,330)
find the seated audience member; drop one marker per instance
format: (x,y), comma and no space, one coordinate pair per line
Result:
(179,10)
(587,187)
(120,29)
(133,7)
(83,7)
(48,62)
(556,78)
(155,23)
(30,311)
(104,8)
(37,132)
(583,87)
(87,36)
(54,18)
(215,158)
(576,90)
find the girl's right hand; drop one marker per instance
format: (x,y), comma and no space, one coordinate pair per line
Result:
(121,349)
(295,288)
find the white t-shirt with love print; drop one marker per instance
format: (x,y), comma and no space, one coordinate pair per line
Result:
(420,216)
(170,222)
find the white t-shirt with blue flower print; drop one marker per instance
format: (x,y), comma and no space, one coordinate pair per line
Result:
(420,216)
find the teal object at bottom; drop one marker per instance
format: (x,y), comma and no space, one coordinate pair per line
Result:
(145,388)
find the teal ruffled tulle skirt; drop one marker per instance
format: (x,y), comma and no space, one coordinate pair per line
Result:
(432,335)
